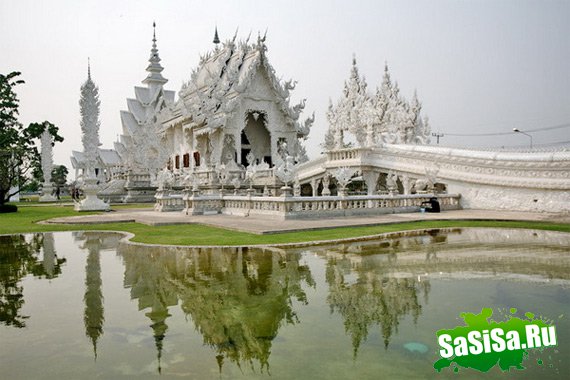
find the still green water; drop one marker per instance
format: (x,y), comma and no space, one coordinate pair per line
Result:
(85,305)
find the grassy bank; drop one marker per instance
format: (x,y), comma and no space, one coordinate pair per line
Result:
(25,220)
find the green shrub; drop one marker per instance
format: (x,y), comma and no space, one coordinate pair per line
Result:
(8,208)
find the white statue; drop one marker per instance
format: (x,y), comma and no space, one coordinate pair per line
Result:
(223,174)
(296,187)
(250,173)
(47,166)
(236,182)
(326,185)
(392,183)
(286,170)
(431,177)
(343,176)
(192,182)
(165,179)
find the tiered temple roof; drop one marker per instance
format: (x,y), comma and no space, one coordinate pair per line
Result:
(214,89)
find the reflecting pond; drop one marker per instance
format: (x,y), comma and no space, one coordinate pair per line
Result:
(87,305)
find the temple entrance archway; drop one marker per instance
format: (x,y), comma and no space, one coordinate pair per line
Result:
(255,138)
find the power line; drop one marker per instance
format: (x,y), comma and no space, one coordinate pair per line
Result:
(560,126)
(549,128)
(538,147)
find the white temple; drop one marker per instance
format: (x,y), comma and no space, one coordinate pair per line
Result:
(233,112)
(232,143)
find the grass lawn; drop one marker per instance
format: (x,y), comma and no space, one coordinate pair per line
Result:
(25,220)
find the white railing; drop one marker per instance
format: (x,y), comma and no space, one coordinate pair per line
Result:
(299,207)
(168,201)
(345,154)
(200,205)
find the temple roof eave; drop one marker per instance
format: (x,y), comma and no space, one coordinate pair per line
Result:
(224,75)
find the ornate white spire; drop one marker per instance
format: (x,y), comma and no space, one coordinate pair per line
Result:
(89,109)
(154,77)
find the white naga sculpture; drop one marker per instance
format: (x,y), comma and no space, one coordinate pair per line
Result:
(47,166)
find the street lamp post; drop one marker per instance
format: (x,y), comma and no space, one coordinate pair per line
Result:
(437,136)
(524,133)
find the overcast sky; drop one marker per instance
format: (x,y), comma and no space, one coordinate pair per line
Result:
(478,66)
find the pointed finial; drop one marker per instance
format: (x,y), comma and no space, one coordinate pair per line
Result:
(216,38)
(154,68)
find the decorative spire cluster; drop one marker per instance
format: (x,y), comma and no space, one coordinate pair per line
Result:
(89,104)
(154,68)
(383,117)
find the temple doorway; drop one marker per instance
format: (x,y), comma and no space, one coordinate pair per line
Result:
(255,138)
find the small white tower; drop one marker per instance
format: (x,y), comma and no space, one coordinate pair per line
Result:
(89,108)
(47,167)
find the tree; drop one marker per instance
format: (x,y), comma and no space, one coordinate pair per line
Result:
(18,152)
(59,176)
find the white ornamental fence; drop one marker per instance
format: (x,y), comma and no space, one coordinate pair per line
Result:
(289,207)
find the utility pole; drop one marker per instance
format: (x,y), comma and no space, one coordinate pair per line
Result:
(437,135)
(516,130)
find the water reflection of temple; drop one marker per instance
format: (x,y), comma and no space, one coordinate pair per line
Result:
(365,297)
(541,254)
(237,298)
(377,282)
(94,312)
(20,256)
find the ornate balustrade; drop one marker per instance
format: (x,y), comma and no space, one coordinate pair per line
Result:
(137,180)
(266,173)
(168,201)
(346,154)
(202,204)
(206,175)
(299,207)
(537,181)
